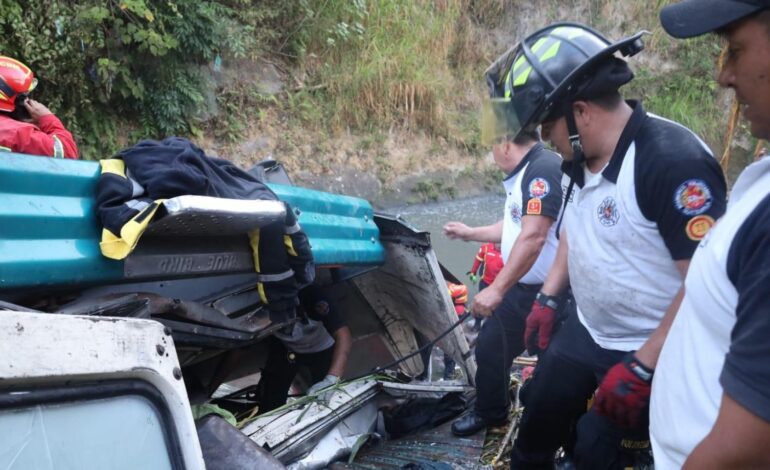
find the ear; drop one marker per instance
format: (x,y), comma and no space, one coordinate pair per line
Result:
(580,108)
(504,146)
(582,111)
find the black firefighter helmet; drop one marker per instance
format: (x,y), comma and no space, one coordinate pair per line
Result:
(538,78)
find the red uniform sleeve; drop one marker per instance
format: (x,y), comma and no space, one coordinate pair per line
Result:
(44,141)
(479,258)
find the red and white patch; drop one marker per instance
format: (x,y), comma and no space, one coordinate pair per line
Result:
(534,206)
(698,227)
(539,188)
(693,197)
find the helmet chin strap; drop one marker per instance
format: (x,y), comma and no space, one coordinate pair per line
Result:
(577,160)
(578,157)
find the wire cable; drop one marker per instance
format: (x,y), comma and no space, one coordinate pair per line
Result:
(429,344)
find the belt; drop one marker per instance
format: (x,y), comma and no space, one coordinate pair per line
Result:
(529,287)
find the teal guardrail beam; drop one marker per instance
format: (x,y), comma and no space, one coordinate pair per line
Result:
(49,232)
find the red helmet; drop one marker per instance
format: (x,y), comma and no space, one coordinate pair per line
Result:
(15,79)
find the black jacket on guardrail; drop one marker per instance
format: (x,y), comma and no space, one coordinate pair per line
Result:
(134,184)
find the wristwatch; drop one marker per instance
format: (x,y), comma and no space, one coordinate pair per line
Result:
(550,301)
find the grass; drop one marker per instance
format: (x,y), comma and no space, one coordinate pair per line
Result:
(394,68)
(364,68)
(418,64)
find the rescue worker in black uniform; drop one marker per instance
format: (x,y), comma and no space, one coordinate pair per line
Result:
(528,245)
(643,193)
(319,342)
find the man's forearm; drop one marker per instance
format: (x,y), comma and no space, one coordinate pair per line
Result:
(487,233)
(558,276)
(650,351)
(739,439)
(343,342)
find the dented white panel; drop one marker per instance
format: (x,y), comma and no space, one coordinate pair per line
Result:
(39,350)
(409,292)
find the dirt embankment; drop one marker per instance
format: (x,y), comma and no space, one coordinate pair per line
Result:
(393,167)
(399,162)
(406,168)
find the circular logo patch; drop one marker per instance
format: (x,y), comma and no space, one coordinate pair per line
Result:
(693,197)
(539,188)
(698,227)
(516,212)
(608,212)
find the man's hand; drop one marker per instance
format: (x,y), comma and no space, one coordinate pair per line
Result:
(473,277)
(36,109)
(540,323)
(458,230)
(486,301)
(624,394)
(327,382)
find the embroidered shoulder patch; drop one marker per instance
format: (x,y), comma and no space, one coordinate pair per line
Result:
(608,212)
(698,227)
(539,188)
(693,197)
(534,206)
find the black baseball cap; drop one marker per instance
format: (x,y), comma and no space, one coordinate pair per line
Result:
(695,17)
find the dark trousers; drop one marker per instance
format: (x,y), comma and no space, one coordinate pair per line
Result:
(500,340)
(555,403)
(281,368)
(477,320)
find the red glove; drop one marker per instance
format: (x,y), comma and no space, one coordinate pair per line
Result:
(624,394)
(540,323)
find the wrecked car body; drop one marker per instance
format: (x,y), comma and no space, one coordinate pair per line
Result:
(193,273)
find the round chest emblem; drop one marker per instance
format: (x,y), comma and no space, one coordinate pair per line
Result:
(693,197)
(608,212)
(516,213)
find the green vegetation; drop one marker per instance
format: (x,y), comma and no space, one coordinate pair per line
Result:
(120,70)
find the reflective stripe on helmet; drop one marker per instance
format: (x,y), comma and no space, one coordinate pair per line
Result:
(58,148)
(569,32)
(6,92)
(550,45)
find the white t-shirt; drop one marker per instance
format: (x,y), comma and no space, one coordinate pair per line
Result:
(720,339)
(533,188)
(627,225)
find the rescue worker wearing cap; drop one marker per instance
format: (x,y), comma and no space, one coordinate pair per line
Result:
(319,342)
(27,126)
(528,244)
(710,404)
(642,193)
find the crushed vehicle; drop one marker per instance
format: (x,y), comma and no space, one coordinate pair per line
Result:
(102,358)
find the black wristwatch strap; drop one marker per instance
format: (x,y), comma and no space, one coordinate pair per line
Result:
(551,301)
